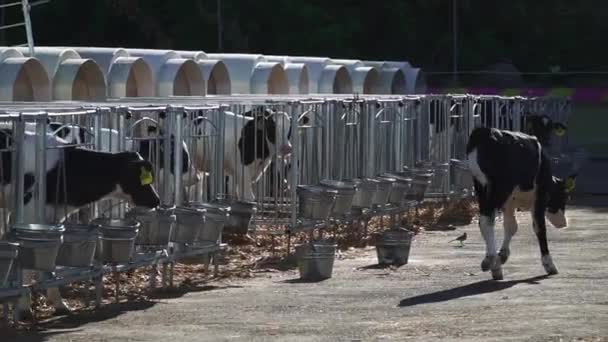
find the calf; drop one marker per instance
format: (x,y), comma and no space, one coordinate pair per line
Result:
(250,142)
(146,146)
(511,171)
(77,177)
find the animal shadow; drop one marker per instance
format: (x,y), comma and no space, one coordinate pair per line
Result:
(480,287)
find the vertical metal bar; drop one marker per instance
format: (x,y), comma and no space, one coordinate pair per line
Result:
(41,167)
(28,25)
(295,131)
(219,159)
(177,153)
(18,169)
(167,126)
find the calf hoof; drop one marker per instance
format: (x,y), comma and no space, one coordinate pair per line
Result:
(497,273)
(504,255)
(488,263)
(548,265)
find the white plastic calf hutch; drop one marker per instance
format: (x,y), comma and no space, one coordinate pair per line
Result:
(324,77)
(366,79)
(73,78)
(297,74)
(252,74)
(214,72)
(173,74)
(392,78)
(125,76)
(414,77)
(22,78)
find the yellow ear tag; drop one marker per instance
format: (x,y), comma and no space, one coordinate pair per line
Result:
(145,177)
(559,131)
(570,184)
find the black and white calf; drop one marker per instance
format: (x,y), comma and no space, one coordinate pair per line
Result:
(510,171)
(76,177)
(250,142)
(146,147)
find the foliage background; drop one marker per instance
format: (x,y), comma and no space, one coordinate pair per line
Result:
(534,36)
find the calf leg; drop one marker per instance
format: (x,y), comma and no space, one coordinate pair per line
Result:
(489,202)
(540,228)
(510,227)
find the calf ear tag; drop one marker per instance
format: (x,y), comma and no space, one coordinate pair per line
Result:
(570,184)
(145,177)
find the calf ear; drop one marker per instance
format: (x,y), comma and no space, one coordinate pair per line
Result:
(559,128)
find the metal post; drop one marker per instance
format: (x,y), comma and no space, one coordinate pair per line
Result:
(295,134)
(17,170)
(167,125)
(41,167)
(219,158)
(177,151)
(28,25)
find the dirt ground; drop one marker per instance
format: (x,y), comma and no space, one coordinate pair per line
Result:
(440,295)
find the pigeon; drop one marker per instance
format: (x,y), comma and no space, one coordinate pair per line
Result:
(461,238)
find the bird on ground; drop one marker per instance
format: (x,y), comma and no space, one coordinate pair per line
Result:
(461,238)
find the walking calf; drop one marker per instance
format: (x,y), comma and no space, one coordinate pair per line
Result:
(510,171)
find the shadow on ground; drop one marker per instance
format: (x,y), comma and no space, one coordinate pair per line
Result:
(481,287)
(74,322)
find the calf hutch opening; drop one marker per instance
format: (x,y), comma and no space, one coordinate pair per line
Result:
(323,76)
(365,79)
(335,79)
(252,74)
(73,77)
(173,75)
(217,77)
(297,74)
(125,76)
(23,78)
(392,78)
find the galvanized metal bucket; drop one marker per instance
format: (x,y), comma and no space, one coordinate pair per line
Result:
(8,254)
(315,202)
(156,225)
(393,247)
(117,241)
(216,216)
(189,222)
(345,195)
(401,186)
(385,187)
(461,176)
(421,180)
(241,213)
(79,245)
(316,260)
(38,245)
(366,189)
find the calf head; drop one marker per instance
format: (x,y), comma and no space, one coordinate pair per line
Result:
(559,193)
(148,149)
(543,127)
(136,179)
